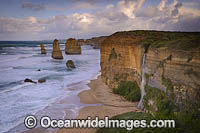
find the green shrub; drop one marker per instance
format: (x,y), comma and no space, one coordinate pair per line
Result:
(157,39)
(129,90)
(183,124)
(167,83)
(113,54)
(163,105)
(137,116)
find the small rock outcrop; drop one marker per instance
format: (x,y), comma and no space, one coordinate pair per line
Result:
(43,51)
(41,80)
(70,64)
(95,42)
(56,53)
(81,42)
(72,47)
(29,80)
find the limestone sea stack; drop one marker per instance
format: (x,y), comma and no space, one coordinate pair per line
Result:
(56,53)
(72,46)
(43,51)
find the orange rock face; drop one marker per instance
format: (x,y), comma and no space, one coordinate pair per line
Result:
(43,51)
(56,53)
(72,47)
(121,60)
(181,67)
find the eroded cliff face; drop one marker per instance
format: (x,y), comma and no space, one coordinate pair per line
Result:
(121,60)
(175,67)
(180,67)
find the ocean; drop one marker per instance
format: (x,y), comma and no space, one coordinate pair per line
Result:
(21,60)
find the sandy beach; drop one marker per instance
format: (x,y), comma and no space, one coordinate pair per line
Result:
(99,93)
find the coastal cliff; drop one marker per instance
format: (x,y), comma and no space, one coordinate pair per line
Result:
(175,66)
(121,59)
(172,63)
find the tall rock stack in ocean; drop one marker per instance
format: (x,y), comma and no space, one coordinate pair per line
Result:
(56,53)
(72,47)
(43,51)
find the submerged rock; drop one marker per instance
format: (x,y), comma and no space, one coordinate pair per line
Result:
(43,51)
(41,80)
(56,53)
(70,64)
(72,46)
(29,80)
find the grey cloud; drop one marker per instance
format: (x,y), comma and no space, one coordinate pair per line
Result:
(32,6)
(149,11)
(112,16)
(90,1)
(187,23)
(101,22)
(176,7)
(83,5)
(15,25)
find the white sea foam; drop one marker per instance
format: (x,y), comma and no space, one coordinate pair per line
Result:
(27,98)
(15,87)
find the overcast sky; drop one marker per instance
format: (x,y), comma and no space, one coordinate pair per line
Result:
(49,19)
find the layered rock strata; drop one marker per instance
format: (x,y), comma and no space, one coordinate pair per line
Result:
(172,61)
(72,47)
(56,53)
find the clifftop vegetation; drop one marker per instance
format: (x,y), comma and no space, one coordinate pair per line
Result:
(157,39)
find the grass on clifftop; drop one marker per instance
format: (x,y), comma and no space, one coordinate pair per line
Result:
(137,116)
(179,40)
(181,126)
(129,90)
(125,116)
